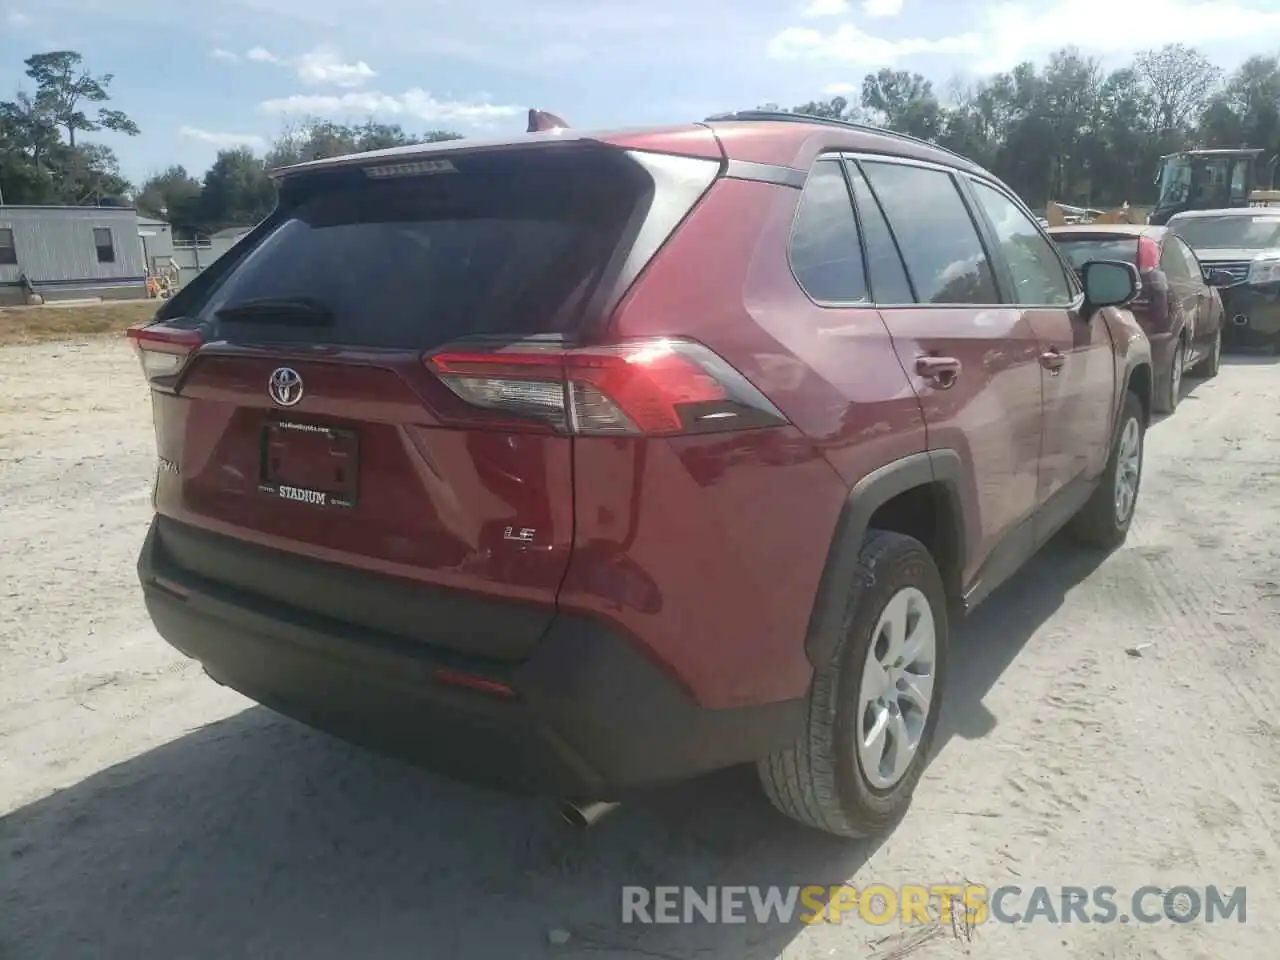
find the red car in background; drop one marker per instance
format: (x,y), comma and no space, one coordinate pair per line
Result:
(1179,308)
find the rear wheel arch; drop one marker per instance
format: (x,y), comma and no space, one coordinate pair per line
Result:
(922,496)
(1140,382)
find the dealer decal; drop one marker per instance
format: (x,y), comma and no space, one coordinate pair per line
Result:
(301,495)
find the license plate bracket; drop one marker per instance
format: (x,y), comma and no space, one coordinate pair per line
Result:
(310,463)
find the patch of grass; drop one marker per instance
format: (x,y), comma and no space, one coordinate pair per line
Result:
(23,325)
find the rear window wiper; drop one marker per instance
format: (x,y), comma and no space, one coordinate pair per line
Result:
(299,311)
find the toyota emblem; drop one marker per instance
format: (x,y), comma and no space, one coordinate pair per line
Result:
(285,386)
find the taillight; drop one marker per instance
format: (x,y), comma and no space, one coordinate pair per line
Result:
(642,387)
(1148,255)
(162,349)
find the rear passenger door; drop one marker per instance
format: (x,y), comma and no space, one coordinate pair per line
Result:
(972,359)
(1185,289)
(1076,355)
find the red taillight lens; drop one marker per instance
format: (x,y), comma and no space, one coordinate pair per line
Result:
(162,349)
(646,387)
(1148,255)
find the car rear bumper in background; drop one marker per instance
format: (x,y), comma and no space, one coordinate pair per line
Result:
(1258,307)
(589,715)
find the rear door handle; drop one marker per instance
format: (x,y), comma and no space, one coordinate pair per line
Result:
(942,372)
(1052,360)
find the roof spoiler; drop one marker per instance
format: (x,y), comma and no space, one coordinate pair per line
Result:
(541,122)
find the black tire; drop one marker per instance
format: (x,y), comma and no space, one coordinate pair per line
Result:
(1171,392)
(1099,523)
(1208,368)
(819,780)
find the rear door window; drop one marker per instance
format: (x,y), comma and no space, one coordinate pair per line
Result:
(826,256)
(940,244)
(889,283)
(1194,270)
(510,245)
(1174,264)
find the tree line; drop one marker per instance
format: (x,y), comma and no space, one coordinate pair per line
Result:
(1073,132)
(1068,130)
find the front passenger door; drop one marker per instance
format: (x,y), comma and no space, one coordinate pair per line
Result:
(1078,372)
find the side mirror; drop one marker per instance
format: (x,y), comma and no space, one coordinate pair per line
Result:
(1219,278)
(1109,283)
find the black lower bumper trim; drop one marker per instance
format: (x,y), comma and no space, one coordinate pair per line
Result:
(592,716)
(1259,307)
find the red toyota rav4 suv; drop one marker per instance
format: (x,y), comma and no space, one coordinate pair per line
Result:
(579,462)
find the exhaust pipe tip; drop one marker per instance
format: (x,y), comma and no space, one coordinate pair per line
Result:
(584,815)
(1240,320)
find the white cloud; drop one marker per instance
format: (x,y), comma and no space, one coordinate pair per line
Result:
(16,18)
(324,65)
(223,141)
(840,89)
(218,53)
(848,44)
(415,104)
(825,8)
(882,8)
(1018,31)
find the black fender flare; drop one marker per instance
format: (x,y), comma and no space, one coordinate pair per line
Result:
(1147,395)
(941,467)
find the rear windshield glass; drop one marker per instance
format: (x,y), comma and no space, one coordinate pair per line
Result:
(1079,252)
(507,245)
(1240,232)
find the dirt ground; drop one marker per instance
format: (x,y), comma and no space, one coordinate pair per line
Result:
(150,813)
(28,325)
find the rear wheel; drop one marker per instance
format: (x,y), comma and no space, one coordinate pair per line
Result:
(1208,368)
(874,709)
(1105,519)
(1172,393)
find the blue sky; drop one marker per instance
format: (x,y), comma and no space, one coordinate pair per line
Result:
(197,77)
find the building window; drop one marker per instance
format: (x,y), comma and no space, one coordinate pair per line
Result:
(8,252)
(102,240)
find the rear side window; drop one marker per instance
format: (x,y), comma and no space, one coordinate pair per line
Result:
(889,283)
(1080,251)
(1177,261)
(1037,273)
(826,257)
(509,245)
(939,241)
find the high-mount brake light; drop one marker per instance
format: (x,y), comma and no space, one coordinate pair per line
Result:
(658,387)
(162,349)
(413,168)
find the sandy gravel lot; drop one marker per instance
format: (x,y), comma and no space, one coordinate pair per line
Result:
(149,813)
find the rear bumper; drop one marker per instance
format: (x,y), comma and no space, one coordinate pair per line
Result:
(591,717)
(1260,308)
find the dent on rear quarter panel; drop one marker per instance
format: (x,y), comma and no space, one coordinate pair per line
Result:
(711,548)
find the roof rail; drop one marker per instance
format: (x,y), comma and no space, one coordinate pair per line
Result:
(831,121)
